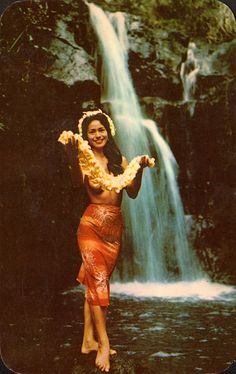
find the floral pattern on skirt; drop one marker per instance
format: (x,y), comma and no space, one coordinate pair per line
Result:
(99,236)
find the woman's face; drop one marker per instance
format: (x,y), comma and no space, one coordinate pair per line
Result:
(97,134)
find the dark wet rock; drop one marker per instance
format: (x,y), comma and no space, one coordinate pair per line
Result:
(72,65)
(152,60)
(223,60)
(71,62)
(231,369)
(49,75)
(119,365)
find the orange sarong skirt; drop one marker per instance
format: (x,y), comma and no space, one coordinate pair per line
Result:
(99,237)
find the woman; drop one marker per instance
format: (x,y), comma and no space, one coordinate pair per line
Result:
(100,228)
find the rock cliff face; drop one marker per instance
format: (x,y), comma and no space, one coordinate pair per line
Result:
(49,74)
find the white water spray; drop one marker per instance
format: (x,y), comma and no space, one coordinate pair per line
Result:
(118,22)
(195,290)
(155,238)
(188,73)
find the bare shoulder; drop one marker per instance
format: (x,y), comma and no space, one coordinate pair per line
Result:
(124,163)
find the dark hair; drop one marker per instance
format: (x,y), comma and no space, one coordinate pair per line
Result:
(111,151)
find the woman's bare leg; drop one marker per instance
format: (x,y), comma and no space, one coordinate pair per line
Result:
(89,343)
(103,354)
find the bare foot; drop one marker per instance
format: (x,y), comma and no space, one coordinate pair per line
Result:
(113,352)
(88,347)
(102,359)
(93,346)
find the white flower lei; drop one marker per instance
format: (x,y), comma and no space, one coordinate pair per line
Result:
(95,172)
(93,113)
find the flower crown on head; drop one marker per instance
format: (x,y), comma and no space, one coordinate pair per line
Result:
(91,113)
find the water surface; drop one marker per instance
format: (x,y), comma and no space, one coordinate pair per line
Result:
(175,335)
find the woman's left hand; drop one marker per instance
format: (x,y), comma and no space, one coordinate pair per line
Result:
(145,161)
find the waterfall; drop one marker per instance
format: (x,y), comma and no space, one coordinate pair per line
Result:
(155,246)
(118,22)
(188,73)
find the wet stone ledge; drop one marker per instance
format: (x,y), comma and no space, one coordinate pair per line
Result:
(119,365)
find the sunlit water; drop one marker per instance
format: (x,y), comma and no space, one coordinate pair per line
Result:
(194,333)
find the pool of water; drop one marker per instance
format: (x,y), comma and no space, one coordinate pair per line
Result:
(174,334)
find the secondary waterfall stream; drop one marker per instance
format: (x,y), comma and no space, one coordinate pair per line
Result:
(155,238)
(188,73)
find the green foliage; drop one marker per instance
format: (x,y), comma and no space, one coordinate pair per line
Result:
(210,19)
(1,126)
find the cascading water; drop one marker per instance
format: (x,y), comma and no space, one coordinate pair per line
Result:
(196,63)
(188,73)
(155,238)
(118,22)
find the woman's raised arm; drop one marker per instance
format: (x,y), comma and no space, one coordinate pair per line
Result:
(133,187)
(71,150)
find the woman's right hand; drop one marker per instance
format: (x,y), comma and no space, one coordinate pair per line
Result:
(70,144)
(71,150)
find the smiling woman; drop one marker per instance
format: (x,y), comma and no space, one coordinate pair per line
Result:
(98,174)
(96,161)
(97,135)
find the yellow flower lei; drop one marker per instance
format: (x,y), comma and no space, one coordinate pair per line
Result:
(96,173)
